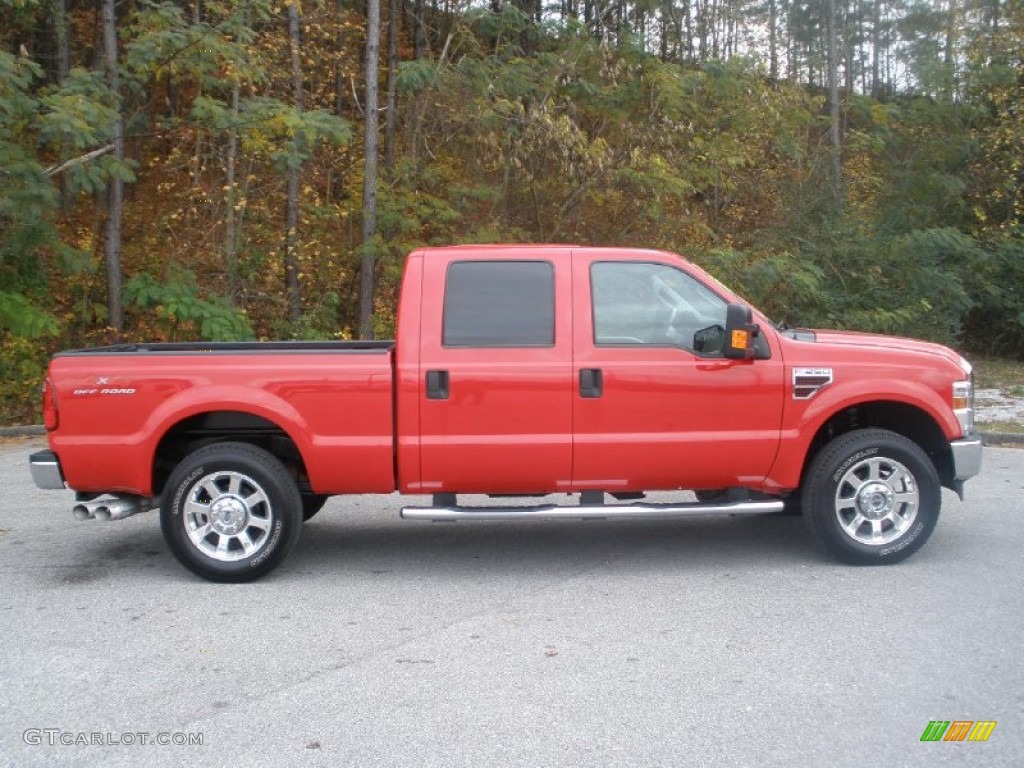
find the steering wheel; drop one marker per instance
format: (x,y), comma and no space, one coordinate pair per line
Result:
(681,317)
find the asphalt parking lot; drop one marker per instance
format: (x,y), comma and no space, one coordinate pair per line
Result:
(701,642)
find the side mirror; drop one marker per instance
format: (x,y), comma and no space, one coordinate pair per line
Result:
(709,341)
(739,333)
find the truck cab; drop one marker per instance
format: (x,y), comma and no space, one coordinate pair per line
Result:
(571,369)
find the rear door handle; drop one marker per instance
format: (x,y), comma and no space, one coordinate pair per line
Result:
(437,385)
(591,382)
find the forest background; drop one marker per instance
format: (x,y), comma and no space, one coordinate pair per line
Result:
(236,169)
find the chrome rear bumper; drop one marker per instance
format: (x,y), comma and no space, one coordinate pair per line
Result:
(46,472)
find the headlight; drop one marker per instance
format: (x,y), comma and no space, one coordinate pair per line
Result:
(963,403)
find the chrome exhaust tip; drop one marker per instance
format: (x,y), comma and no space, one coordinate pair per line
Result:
(119,509)
(82,512)
(114,508)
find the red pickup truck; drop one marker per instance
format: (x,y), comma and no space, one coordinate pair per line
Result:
(600,373)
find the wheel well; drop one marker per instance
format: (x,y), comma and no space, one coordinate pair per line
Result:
(219,426)
(903,419)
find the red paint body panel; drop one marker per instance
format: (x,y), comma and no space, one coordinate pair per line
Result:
(668,418)
(514,420)
(883,369)
(507,426)
(407,375)
(336,407)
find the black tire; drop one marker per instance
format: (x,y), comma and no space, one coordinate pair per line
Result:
(794,505)
(871,497)
(258,521)
(311,504)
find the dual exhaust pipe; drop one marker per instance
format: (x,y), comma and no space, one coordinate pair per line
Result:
(116,507)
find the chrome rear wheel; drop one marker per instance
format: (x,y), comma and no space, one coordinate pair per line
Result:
(228,516)
(231,512)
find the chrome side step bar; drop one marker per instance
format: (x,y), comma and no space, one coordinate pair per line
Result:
(589,512)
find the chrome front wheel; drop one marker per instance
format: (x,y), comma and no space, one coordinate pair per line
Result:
(871,496)
(876,501)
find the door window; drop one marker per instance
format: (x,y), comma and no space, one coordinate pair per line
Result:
(654,304)
(499,304)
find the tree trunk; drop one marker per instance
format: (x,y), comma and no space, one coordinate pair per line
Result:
(848,50)
(688,10)
(368,263)
(876,46)
(949,49)
(862,39)
(62,42)
(391,113)
(703,30)
(339,72)
(833,98)
(62,39)
(115,186)
(787,27)
(291,253)
(231,199)
(419,33)
(340,84)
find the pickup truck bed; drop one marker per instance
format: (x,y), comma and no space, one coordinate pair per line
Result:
(132,404)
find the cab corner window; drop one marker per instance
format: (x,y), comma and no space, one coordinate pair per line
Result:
(499,304)
(657,305)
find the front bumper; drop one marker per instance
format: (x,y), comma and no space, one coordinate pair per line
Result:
(966,454)
(966,457)
(46,471)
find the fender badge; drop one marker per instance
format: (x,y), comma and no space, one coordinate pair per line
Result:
(807,382)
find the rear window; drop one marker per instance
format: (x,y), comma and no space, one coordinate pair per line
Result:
(499,304)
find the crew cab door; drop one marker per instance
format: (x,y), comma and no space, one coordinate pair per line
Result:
(495,385)
(650,410)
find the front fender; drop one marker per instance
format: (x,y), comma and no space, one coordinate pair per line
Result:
(803,420)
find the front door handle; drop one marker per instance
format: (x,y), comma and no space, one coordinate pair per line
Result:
(591,382)
(437,385)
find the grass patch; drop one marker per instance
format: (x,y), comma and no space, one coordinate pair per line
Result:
(1007,427)
(28,441)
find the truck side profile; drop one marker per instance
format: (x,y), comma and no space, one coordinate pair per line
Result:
(519,370)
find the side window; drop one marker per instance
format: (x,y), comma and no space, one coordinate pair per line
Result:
(499,304)
(640,303)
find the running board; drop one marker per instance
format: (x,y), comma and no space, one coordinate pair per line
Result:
(589,512)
